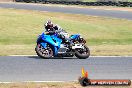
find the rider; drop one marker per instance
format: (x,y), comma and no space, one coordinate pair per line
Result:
(51,28)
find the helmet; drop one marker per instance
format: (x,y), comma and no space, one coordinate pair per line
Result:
(49,24)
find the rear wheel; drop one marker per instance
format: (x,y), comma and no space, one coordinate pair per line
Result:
(44,52)
(82,53)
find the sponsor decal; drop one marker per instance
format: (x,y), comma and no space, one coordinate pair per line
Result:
(85,81)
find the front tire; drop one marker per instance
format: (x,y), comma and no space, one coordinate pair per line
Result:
(82,54)
(45,53)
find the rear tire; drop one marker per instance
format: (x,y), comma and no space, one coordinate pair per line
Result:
(44,53)
(79,55)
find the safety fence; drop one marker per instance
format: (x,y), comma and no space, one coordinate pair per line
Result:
(110,3)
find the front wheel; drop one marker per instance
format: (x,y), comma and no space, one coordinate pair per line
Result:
(82,53)
(44,52)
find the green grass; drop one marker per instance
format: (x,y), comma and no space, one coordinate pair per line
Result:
(130,0)
(21,27)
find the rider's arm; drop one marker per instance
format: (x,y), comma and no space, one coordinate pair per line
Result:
(51,31)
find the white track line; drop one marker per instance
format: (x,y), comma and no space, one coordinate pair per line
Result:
(22,55)
(38,82)
(110,56)
(111,9)
(90,56)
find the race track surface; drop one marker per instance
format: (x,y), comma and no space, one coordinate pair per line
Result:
(33,68)
(73,10)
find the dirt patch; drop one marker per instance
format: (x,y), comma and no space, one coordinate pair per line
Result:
(53,85)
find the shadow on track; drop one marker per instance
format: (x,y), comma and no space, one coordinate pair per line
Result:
(37,57)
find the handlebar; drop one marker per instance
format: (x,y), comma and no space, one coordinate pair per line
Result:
(56,31)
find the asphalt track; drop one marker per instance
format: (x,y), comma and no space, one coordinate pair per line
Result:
(33,68)
(87,11)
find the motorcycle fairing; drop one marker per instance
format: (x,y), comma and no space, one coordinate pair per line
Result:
(52,40)
(44,44)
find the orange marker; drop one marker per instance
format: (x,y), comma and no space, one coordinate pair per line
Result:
(83,72)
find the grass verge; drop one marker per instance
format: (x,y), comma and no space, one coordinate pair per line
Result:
(105,36)
(96,50)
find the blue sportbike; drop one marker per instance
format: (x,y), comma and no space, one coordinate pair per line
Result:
(59,45)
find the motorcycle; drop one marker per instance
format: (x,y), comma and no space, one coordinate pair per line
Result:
(55,45)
